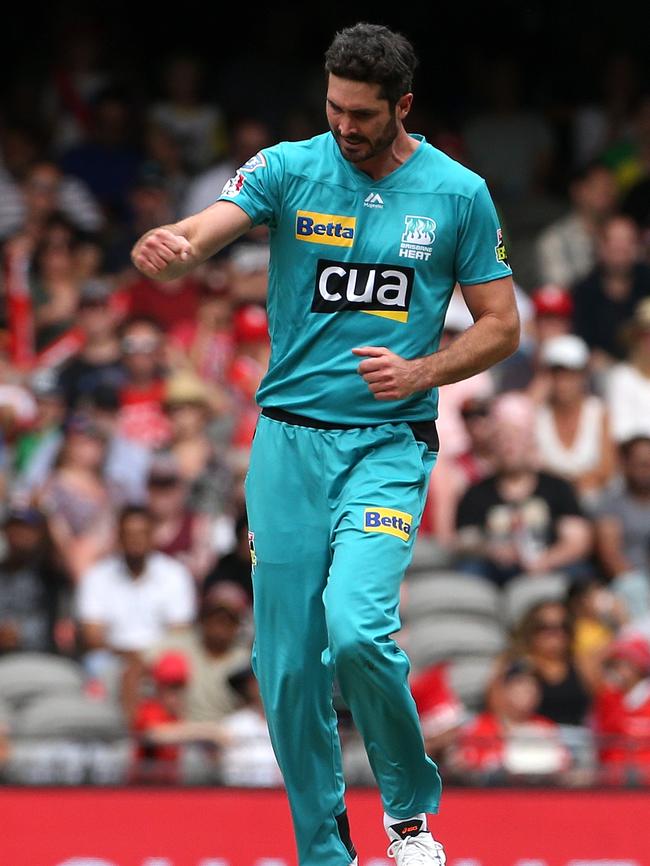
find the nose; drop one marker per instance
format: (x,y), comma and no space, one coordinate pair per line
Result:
(347,127)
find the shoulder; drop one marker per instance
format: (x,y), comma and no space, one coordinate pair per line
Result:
(552,485)
(448,175)
(292,154)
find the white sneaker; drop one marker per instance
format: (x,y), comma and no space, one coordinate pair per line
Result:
(419,850)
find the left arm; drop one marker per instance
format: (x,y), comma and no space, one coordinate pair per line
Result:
(493,337)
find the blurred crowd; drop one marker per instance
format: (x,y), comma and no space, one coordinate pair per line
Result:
(127,411)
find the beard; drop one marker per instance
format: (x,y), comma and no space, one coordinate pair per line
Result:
(360,149)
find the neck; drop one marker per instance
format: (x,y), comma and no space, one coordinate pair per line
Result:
(392,157)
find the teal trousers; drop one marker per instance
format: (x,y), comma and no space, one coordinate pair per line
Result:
(333,515)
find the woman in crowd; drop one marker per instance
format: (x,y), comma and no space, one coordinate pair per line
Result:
(572,425)
(544,640)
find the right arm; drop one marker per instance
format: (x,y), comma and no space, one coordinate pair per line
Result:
(170,251)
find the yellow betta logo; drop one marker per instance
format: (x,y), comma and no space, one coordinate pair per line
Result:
(388,520)
(325,228)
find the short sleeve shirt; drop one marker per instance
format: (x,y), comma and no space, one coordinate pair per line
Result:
(358,262)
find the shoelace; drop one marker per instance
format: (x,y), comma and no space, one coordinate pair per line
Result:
(419,851)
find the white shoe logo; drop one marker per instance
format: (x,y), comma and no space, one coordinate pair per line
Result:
(373,199)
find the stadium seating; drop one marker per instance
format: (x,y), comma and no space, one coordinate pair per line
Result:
(30,675)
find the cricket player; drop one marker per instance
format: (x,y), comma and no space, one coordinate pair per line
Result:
(370,229)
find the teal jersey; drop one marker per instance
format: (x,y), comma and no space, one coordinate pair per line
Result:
(361,262)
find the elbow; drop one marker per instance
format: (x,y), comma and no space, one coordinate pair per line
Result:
(510,337)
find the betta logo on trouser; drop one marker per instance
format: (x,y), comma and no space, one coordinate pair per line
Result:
(388,520)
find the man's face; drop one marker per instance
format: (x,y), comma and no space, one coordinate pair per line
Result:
(136,536)
(362,123)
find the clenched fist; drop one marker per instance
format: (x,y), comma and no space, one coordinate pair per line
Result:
(162,255)
(389,376)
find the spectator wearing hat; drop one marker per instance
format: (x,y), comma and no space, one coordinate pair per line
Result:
(515,740)
(552,308)
(200,462)
(178,530)
(141,416)
(520,519)
(126,602)
(247,758)
(622,524)
(622,712)
(76,498)
(96,355)
(627,387)
(252,347)
(572,425)
(606,299)
(566,249)
(161,727)
(216,645)
(33,592)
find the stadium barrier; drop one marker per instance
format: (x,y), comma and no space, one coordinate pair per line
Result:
(236,827)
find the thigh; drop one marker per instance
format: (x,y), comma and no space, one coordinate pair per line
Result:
(375,526)
(289,529)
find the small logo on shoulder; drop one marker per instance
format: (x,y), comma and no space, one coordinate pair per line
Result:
(500,250)
(388,520)
(257,161)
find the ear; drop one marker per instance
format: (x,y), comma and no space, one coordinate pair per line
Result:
(404,105)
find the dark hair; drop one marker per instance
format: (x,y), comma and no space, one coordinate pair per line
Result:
(585,171)
(129,511)
(627,446)
(376,55)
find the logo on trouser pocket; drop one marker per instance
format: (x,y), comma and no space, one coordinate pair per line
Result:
(388,520)
(251,547)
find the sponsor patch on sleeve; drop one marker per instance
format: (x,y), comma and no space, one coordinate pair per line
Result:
(233,186)
(388,520)
(257,161)
(500,250)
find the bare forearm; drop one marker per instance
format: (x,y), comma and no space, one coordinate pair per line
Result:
(170,251)
(488,341)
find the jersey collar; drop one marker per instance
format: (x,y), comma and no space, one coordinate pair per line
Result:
(364,180)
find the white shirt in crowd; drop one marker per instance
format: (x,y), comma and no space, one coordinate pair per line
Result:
(248,758)
(136,611)
(628,400)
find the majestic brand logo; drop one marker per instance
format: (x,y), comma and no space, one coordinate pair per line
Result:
(417,238)
(388,520)
(325,228)
(378,289)
(373,199)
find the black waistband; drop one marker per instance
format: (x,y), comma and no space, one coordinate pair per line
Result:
(424,431)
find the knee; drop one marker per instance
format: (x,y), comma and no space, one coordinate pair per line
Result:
(350,646)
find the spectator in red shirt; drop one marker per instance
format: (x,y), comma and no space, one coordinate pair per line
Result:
(514,740)
(622,712)
(441,712)
(160,727)
(166,303)
(141,414)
